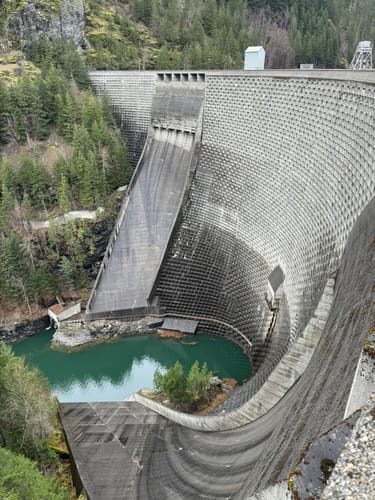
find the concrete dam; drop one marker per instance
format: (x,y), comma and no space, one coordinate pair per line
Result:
(252,210)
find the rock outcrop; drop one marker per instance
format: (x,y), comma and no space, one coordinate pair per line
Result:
(24,329)
(65,21)
(75,334)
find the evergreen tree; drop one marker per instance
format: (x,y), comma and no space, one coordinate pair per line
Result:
(82,147)
(66,116)
(172,384)
(63,191)
(66,271)
(12,266)
(47,114)
(92,185)
(107,109)
(79,166)
(4,113)
(41,118)
(61,169)
(163,59)
(75,67)
(197,381)
(19,126)
(55,89)
(20,479)
(7,204)
(27,207)
(26,407)
(7,174)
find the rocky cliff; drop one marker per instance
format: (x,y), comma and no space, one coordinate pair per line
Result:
(62,19)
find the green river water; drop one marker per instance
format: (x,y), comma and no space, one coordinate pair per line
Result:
(113,371)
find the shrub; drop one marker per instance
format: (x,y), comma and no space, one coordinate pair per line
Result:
(172,383)
(21,480)
(181,389)
(197,381)
(26,408)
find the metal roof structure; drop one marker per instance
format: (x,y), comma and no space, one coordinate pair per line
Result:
(180,325)
(254,49)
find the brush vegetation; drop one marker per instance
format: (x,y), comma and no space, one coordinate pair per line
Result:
(181,388)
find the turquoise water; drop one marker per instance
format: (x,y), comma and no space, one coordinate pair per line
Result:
(114,370)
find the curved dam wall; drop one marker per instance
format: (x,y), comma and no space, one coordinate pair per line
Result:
(285,177)
(286,166)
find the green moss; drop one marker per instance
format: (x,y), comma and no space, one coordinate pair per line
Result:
(10,7)
(293,488)
(326,466)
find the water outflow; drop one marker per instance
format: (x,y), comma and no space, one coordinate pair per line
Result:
(151,207)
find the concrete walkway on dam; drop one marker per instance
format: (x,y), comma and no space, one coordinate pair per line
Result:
(122,450)
(154,201)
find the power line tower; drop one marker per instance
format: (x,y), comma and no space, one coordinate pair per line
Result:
(363,56)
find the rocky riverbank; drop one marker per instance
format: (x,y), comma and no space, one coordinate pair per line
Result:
(71,335)
(24,329)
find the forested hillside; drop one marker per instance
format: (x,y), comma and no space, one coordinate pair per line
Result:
(60,149)
(212,34)
(192,34)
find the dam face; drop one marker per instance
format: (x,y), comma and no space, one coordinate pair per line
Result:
(284,174)
(286,166)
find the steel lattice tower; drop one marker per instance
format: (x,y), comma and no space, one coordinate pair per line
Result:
(363,56)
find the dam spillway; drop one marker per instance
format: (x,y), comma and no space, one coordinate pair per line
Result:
(138,243)
(286,171)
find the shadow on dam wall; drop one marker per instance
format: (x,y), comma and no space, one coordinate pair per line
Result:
(286,171)
(317,401)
